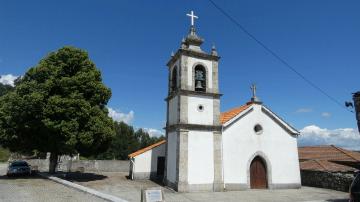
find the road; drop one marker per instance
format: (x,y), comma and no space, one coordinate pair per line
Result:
(36,189)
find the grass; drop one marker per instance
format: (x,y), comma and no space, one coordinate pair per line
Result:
(4,154)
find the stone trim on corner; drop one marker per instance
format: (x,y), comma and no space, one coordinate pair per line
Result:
(182,165)
(215,77)
(218,178)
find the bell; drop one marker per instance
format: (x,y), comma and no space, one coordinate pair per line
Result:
(198,85)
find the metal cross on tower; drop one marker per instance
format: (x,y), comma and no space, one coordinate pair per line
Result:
(192,16)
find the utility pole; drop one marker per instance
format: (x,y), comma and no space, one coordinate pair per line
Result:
(356,99)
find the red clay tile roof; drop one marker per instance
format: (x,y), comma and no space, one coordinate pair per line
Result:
(328,152)
(227,116)
(327,158)
(138,152)
(324,165)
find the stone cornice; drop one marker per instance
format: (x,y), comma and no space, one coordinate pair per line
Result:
(186,126)
(189,92)
(191,53)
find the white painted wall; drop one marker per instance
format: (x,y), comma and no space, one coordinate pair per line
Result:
(173,110)
(206,63)
(200,157)
(200,117)
(147,161)
(240,143)
(171,157)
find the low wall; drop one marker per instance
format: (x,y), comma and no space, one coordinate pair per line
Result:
(83,165)
(40,164)
(328,180)
(100,165)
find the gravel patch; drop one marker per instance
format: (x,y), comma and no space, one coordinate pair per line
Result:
(36,189)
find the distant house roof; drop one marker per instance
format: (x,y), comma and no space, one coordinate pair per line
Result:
(328,152)
(328,158)
(143,150)
(324,165)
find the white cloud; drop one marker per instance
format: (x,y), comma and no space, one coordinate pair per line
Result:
(119,116)
(304,110)
(154,132)
(326,114)
(8,79)
(348,138)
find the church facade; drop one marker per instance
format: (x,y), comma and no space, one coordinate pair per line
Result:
(205,150)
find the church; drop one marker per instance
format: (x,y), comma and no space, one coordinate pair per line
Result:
(248,147)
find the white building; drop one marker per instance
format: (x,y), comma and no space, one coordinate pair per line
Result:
(205,150)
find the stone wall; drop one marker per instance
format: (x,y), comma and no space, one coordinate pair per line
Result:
(83,165)
(328,180)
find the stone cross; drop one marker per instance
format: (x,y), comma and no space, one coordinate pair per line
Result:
(253,89)
(192,16)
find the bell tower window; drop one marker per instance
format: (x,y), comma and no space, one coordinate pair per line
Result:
(200,78)
(174,79)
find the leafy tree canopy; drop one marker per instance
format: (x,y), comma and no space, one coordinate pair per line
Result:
(127,141)
(5,89)
(58,106)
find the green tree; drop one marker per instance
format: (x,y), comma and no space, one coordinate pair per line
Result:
(5,89)
(59,106)
(127,141)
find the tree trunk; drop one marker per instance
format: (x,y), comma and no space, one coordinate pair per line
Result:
(53,162)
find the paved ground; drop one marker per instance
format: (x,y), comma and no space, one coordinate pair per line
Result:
(35,189)
(117,184)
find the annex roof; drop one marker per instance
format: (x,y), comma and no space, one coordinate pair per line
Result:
(143,150)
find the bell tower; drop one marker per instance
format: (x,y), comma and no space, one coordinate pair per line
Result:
(193,129)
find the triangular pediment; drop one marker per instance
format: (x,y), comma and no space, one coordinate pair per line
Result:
(234,115)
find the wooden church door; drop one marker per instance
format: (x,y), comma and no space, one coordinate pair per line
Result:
(258,179)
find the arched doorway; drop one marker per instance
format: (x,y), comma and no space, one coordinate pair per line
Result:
(258,175)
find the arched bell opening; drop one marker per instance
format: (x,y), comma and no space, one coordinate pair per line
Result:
(200,78)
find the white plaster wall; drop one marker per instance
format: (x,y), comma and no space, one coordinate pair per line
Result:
(147,161)
(200,117)
(173,110)
(240,143)
(200,157)
(171,157)
(206,63)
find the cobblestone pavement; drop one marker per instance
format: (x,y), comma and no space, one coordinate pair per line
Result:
(35,189)
(118,185)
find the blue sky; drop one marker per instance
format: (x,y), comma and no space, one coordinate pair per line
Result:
(131,41)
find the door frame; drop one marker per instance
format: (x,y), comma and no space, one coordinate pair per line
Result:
(267,168)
